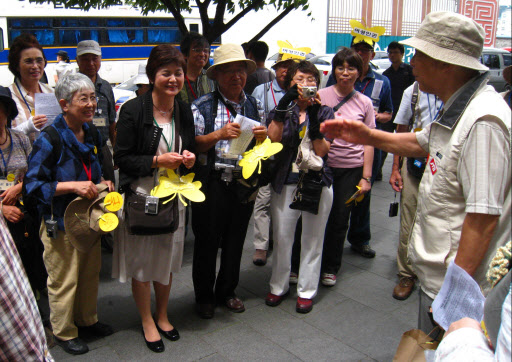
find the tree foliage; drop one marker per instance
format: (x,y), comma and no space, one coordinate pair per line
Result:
(212,28)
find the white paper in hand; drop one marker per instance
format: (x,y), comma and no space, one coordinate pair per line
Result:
(239,145)
(459,297)
(47,104)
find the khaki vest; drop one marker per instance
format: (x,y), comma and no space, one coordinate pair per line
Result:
(441,204)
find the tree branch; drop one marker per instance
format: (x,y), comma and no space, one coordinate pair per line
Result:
(222,28)
(175,11)
(272,23)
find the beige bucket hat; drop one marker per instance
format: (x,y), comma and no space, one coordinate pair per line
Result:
(451,38)
(81,220)
(229,53)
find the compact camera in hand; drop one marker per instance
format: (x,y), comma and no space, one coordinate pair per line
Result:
(309,92)
(393,209)
(51,229)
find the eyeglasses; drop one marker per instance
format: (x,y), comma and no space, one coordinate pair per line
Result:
(231,72)
(201,50)
(37,60)
(300,80)
(83,101)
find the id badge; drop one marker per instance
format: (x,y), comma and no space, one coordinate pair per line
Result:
(4,184)
(295,168)
(99,121)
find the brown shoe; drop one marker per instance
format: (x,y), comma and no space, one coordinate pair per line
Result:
(235,304)
(404,288)
(260,257)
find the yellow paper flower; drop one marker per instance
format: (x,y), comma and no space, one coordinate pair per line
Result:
(184,186)
(364,34)
(289,52)
(356,197)
(253,158)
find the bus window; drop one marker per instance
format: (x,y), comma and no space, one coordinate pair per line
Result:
(164,36)
(1,40)
(74,36)
(126,36)
(44,37)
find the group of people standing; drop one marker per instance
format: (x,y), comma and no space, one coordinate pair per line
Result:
(185,122)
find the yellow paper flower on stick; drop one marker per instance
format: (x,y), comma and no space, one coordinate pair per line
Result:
(356,197)
(260,152)
(289,52)
(364,34)
(184,186)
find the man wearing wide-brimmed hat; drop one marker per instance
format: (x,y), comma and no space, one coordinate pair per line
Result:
(223,218)
(464,204)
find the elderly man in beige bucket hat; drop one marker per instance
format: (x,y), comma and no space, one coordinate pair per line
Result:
(222,220)
(463,212)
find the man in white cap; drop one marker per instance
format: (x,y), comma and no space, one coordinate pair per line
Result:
(222,220)
(463,212)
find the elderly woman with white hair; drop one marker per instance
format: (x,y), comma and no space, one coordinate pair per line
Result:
(64,164)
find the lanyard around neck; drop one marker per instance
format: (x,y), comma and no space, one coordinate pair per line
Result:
(88,170)
(273,96)
(169,148)
(190,87)
(24,100)
(6,164)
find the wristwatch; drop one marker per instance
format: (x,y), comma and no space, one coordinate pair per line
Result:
(368,179)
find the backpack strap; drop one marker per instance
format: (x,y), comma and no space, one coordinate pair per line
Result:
(414,101)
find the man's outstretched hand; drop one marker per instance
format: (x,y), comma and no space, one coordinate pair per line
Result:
(347,130)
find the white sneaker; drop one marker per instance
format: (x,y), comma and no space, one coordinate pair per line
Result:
(329,280)
(294,278)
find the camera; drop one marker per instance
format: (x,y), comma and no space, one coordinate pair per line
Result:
(393,209)
(227,171)
(309,92)
(151,205)
(51,228)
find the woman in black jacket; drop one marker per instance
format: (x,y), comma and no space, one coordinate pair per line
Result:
(155,132)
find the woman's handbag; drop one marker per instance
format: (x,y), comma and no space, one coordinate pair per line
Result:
(307,159)
(139,222)
(306,196)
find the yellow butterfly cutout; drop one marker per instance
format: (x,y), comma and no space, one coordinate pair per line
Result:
(362,33)
(302,132)
(289,52)
(356,197)
(260,152)
(172,185)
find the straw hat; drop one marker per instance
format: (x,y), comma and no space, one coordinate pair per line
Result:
(229,53)
(280,61)
(451,38)
(81,220)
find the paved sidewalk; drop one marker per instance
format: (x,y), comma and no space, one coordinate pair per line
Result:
(356,320)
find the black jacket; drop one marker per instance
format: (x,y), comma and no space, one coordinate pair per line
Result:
(138,138)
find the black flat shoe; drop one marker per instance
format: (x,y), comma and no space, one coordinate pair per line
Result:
(172,335)
(157,346)
(73,346)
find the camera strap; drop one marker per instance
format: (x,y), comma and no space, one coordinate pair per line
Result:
(344,100)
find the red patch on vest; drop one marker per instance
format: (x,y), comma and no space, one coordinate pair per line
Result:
(433,167)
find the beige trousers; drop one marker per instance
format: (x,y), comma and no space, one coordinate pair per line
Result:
(73,279)
(408,203)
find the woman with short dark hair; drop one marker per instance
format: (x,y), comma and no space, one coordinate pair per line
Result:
(351,164)
(289,121)
(27,62)
(155,132)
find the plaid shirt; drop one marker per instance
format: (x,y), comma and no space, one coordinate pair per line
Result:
(44,172)
(222,119)
(22,335)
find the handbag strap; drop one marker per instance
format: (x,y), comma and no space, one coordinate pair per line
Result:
(414,101)
(344,100)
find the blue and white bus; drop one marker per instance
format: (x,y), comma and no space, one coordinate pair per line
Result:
(125,36)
